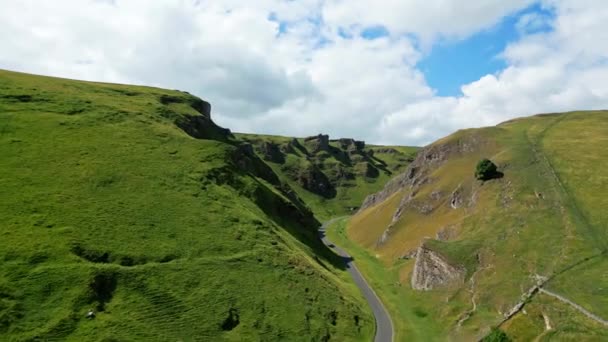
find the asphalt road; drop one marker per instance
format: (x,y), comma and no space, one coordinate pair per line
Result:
(384,325)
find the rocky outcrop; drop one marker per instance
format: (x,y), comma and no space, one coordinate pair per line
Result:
(247,161)
(351,145)
(341,174)
(411,254)
(368,170)
(427,160)
(271,152)
(197,126)
(402,181)
(457,199)
(287,148)
(432,270)
(317,143)
(314,180)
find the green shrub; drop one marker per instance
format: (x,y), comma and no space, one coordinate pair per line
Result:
(496,335)
(486,170)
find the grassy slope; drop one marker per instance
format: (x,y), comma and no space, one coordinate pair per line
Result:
(95,170)
(349,193)
(544,216)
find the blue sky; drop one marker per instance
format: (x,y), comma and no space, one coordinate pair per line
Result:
(453,63)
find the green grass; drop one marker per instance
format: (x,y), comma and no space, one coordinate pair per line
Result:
(545,216)
(410,312)
(107,205)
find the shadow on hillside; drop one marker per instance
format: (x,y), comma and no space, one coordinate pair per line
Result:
(296,220)
(336,253)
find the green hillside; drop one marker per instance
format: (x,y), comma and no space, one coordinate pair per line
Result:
(333,176)
(130,202)
(534,232)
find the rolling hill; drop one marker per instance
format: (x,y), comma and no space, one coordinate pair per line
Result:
(131,203)
(524,252)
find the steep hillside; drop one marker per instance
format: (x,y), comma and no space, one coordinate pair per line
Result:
(519,251)
(130,202)
(331,176)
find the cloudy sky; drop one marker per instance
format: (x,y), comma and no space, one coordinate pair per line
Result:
(386,71)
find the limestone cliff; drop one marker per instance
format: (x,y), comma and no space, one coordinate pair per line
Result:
(432,270)
(428,159)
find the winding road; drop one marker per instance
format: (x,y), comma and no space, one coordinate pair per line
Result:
(384,324)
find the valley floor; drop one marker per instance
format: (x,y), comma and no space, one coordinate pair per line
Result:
(411,322)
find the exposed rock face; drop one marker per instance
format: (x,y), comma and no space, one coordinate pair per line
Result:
(247,160)
(317,143)
(272,152)
(432,270)
(294,145)
(367,169)
(409,255)
(457,198)
(351,145)
(287,148)
(318,166)
(343,174)
(371,171)
(313,180)
(197,126)
(427,160)
(359,145)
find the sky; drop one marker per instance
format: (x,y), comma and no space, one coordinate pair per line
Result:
(388,72)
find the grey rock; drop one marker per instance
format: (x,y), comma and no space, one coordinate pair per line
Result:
(317,143)
(432,270)
(271,152)
(457,199)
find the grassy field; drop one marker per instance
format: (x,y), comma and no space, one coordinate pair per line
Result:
(545,217)
(108,205)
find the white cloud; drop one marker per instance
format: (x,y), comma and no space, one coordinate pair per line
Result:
(282,67)
(533,22)
(427,19)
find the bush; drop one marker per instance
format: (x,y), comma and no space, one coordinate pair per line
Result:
(496,335)
(486,170)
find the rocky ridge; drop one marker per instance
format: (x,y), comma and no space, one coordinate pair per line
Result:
(321,165)
(417,175)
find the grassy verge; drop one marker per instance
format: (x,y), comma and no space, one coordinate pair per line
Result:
(411,320)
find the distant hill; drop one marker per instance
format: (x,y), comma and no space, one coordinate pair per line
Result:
(478,254)
(332,176)
(130,202)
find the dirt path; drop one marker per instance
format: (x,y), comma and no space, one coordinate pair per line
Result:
(576,306)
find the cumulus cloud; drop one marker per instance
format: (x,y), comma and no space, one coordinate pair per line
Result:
(303,67)
(427,19)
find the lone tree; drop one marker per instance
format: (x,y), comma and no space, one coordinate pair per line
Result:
(486,170)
